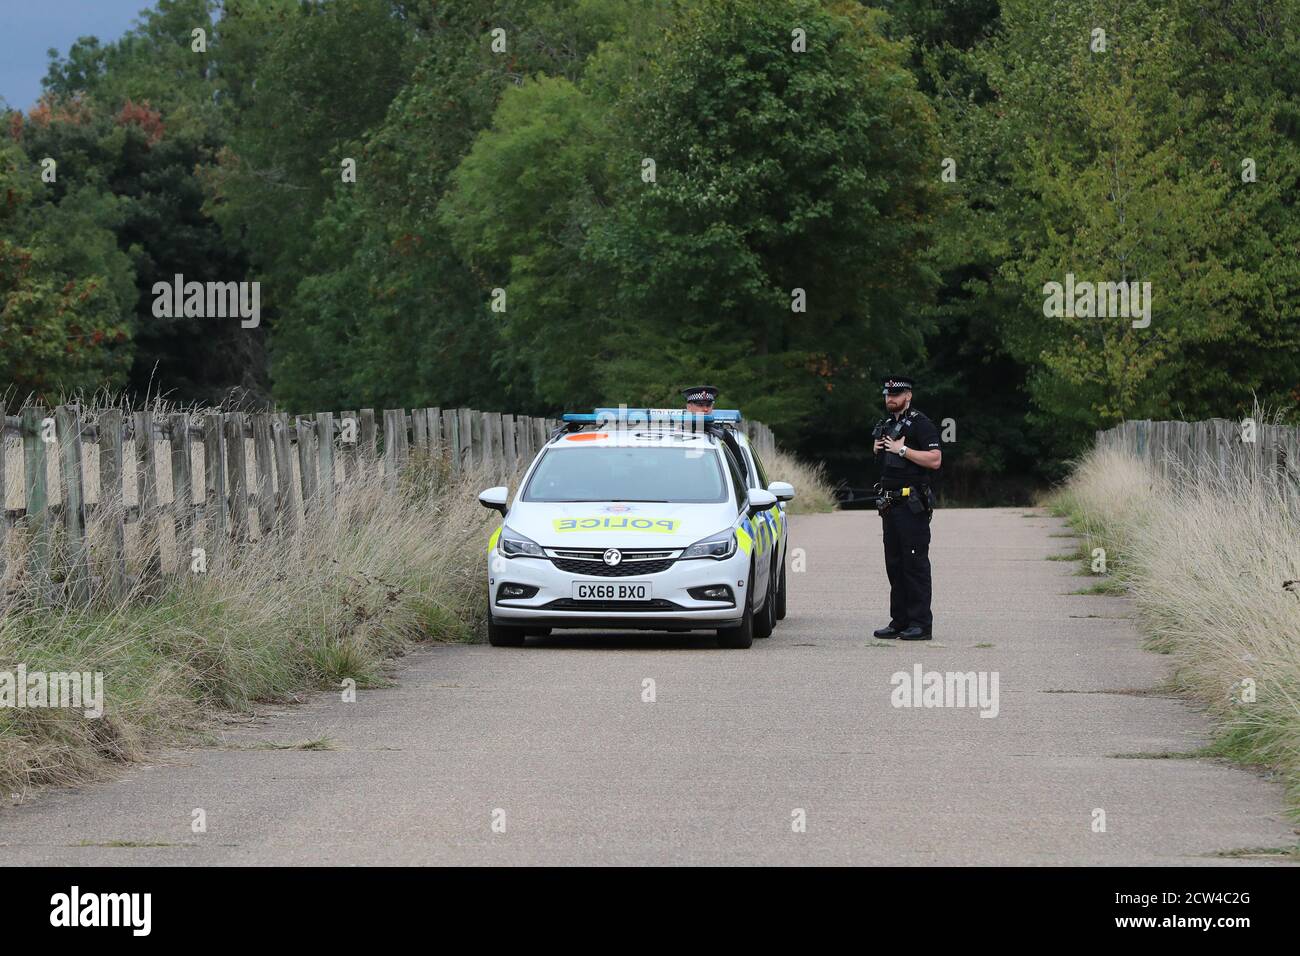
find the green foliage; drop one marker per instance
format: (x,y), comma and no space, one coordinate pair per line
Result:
(1115,165)
(386,311)
(775,168)
(772,168)
(520,169)
(62,281)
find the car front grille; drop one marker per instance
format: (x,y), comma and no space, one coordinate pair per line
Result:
(568,604)
(591,561)
(602,570)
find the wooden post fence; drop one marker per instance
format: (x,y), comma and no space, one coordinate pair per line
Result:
(259,475)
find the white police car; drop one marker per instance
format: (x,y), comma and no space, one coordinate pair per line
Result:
(640,518)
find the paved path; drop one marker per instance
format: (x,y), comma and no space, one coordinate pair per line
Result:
(557,736)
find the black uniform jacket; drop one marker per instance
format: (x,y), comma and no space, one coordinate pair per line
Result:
(919,434)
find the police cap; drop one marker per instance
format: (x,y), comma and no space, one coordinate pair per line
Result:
(704,394)
(895,384)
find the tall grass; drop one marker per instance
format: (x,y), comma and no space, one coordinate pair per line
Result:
(286,614)
(1207,561)
(278,616)
(812,490)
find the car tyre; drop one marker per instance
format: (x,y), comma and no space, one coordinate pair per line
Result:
(765,619)
(742,636)
(499,635)
(780,595)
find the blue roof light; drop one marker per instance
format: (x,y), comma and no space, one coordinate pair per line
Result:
(641,416)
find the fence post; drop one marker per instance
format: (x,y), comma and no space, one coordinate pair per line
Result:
(35,480)
(451,439)
(509,452)
(68,427)
(286,490)
(367,426)
(237,476)
(182,490)
(523,436)
(420,430)
(112,472)
(394,435)
(4,500)
(490,455)
(325,455)
(262,458)
(146,483)
(348,449)
(214,483)
(307,464)
(466,449)
(434,415)
(1290,456)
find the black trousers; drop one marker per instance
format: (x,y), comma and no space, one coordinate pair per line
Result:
(907,562)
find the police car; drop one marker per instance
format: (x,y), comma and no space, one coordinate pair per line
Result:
(652,519)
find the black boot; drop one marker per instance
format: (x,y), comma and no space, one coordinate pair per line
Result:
(885,633)
(915,633)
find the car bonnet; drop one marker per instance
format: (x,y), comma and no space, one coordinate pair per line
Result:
(634,524)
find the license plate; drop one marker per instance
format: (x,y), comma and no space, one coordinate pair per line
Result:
(620,591)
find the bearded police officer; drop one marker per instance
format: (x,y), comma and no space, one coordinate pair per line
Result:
(906,445)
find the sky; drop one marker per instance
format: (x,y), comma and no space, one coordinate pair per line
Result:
(28,28)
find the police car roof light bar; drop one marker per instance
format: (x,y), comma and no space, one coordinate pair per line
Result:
(641,416)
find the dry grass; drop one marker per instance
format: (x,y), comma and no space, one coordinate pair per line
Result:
(812,490)
(1207,561)
(287,614)
(277,617)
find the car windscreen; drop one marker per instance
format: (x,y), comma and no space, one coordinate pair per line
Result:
(689,475)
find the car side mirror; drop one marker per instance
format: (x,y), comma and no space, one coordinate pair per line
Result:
(494,498)
(760,500)
(784,491)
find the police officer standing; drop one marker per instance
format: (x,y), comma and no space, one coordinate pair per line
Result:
(906,445)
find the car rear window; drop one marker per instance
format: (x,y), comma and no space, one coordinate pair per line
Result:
(688,475)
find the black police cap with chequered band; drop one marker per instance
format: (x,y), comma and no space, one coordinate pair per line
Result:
(897,383)
(701,393)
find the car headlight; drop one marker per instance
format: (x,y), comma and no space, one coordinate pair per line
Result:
(718,546)
(512,544)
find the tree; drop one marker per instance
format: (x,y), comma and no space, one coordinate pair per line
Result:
(775,165)
(60,322)
(387,305)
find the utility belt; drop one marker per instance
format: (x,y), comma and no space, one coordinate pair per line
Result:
(918,498)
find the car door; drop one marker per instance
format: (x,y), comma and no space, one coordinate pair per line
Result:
(774,516)
(756,527)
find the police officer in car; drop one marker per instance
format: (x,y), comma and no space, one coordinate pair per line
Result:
(700,399)
(906,446)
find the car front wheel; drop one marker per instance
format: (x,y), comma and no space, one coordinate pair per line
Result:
(742,636)
(765,620)
(501,636)
(780,595)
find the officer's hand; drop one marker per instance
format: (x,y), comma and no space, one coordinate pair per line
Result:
(877,445)
(892,445)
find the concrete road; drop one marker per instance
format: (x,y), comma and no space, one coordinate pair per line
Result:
(790,752)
